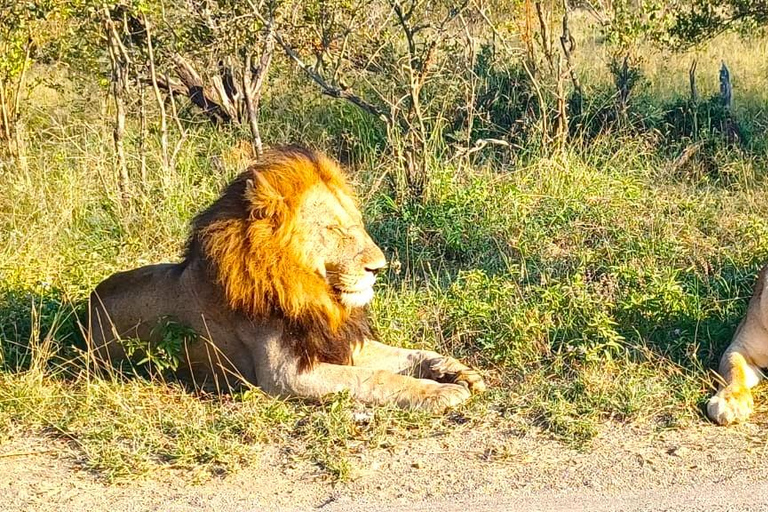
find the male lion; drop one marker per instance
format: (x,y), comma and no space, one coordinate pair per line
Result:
(275,281)
(741,363)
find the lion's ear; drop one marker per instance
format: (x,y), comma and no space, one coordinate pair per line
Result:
(264,199)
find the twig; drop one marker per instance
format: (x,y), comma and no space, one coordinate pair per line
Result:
(602,20)
(685,156)
(182,131)
(253,81)
(166,84)
(332,91)
(24,454)
(479,145)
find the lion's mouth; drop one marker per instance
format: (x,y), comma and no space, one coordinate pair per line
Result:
(356,299)
(359,294)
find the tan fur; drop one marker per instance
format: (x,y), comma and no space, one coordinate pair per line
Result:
(275,281)
(740,366)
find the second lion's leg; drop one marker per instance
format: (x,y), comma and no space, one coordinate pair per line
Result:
(733,402)
(741,363)
(422,364)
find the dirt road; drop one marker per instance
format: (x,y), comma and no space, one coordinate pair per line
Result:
(710,497)
(736,497)
(468,469)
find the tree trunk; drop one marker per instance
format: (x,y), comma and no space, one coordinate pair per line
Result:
(158,97)
(119,62)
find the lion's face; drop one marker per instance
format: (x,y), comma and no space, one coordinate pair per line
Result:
(330,230)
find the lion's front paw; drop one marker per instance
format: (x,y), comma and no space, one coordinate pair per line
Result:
(448,369)
(730,405)
(439,397)
(471,379)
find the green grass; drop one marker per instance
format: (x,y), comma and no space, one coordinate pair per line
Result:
(597,285)
(595,291)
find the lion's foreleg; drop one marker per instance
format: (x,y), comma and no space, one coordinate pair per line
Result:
(367,385)
(421,364)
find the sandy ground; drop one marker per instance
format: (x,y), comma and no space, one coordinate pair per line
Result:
(469,468)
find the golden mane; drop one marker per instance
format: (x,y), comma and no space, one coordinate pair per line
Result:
(248,241)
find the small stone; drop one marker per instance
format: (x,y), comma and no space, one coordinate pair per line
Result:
(362,418)
(677,451)
(416,465)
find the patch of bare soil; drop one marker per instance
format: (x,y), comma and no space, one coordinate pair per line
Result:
(487,467)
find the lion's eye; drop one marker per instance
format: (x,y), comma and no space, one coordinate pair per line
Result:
(337,229)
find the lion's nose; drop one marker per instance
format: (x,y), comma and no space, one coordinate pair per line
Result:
(373,271)
(376,262)
(375,268)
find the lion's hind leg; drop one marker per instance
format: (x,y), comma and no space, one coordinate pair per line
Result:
(733,402)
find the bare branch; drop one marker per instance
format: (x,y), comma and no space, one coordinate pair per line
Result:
(166,84)
(253,82)
(196,91)
(223,98)
(329,90)
(6,133)
(568,43)
(546,41)
(22,74)
(530,72)
(599,17)
(158,97)
(479,145)
(116,41)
